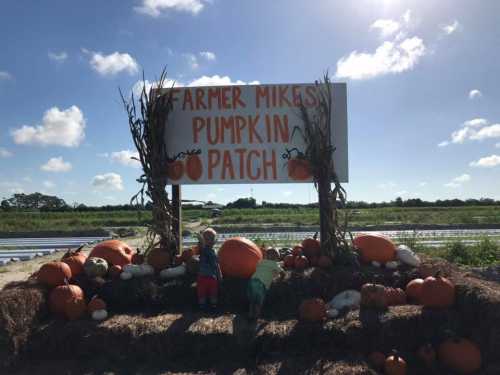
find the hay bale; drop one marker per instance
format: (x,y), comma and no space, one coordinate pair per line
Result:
(22,306)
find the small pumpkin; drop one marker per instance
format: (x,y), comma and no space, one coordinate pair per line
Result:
(159,258)
(300,262)
(114,252)
(95,267)
(67,300)
(377,360)
(175,170)
(311,246)
(375,247)
(115,271)
(395,365)
(437,292)
(289,261)
(414,289)
(194,167)
(373,296)
(395,296)
(460,355)
(96,303)
(312,310)
(297,251)
(75,260)
(299,169)
(54,273)
(324,261)
(427,355)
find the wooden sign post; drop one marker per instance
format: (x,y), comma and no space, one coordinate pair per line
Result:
(177,213)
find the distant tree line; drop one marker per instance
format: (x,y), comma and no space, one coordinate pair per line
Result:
(41,202)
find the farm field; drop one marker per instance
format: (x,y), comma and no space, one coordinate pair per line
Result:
(70,221)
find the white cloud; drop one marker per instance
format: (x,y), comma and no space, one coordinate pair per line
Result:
(138,86)
(217,80)
(108,181)
(113,63)
(49,184)
(207,55)
(497,145)
(487,162)
(5,75)
(4,153)
(407,16)
(58,56)
(390,57)
(56,165)
(386,27)
(450,28)
(124,157)
(458,181)
(154,8)
(492,131)
(476,122)
(443,144)
(191,60)
(475,94)
(459,136)
(476,129)
(62,128)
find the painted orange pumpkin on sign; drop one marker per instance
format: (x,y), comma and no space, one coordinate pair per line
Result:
(175,170)
(299,169)
(194,167)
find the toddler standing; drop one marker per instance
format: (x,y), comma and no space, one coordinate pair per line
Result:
(209,274)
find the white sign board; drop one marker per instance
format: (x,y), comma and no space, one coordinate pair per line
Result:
(243,134)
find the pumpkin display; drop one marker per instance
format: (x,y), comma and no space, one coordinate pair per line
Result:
(414,289)
(373,296)
(377,360)
(395,296)
(75,260)
(300,262)
(95,267)
(96,303)
(311,246)
(175,170)
(238,257)
(395,365)
(299,169)
(460,355)
(186,255)
(312,310)
(54,273)
(194,167)
(138,257)
(437,292)
(115,271)
(375,247)
(67,300)
(324,261)
(159,258)
(289,261)
(114,252)
(427,355)
(297,250)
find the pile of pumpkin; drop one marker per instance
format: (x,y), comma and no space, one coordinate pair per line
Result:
(306,254)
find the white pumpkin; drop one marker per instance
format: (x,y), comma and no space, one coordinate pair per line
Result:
(169,273)
(407,256)
(347,299)
(126,276)
(392,265)
(332,313)
(99,315)
(376,264)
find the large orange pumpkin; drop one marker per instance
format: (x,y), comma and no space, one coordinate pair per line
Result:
(460,355)
(238,257)
(194,167)
(54,273)
(299,169)
(414,290)
(67,300)
(437,292)
(115,252)
(158,258)
(75,260)
(312,310)
(375,247)
(312,246)
(175,170)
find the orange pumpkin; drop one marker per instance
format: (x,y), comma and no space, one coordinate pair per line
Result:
(54,273)
(395,365)
(95,304)
(312,310)
(175,170)
(395,296)
(289,261)
(427,355)
(114,252)
(158,258)
(194,167)
(67,300)
(301,262)
(375,247)
(460,355)
(373,296)
(312,246)
(325,261)
(115,271)
(414,289)
(75,260)
(437,292)
(299,169)
(377,360)
(238,257)
(297,250)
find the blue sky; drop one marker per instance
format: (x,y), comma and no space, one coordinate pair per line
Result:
(422,81)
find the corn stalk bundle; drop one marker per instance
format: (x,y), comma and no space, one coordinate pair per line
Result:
(148,116)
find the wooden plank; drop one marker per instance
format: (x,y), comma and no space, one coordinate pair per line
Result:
(177,209)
